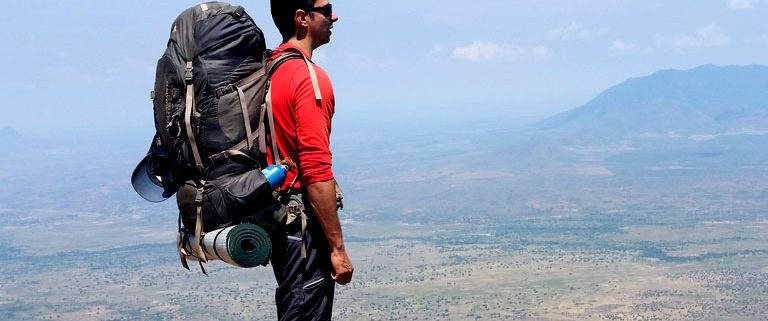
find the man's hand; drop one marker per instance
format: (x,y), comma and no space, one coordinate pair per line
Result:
(342,267)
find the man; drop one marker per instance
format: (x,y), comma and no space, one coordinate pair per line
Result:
(306,280)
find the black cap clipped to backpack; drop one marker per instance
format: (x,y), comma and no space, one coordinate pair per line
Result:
(153,178)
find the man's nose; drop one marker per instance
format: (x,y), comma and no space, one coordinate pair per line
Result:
(334,17)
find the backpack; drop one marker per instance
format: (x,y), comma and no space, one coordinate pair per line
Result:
(210,87)
(212,112)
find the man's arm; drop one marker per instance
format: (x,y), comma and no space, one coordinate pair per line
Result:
(322,197)
(313,130)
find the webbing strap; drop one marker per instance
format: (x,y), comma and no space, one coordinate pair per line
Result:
(313,77)
(268,102)
(234,152)
(312,73)
(270,116)
(182,252)
(339,196)
(216,248)
(202,268)
(272,66)
(190,104)
(251,78)
(239,145)
(250,136)
(296,210)
(230,153)
(303,233)
(246,118)
(271,120)
(180,246)
(198,246)
(261,130)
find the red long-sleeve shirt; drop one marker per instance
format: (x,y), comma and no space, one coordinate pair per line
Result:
(302,124)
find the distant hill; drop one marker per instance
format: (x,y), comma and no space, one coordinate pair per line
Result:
(11,139)
(704,100)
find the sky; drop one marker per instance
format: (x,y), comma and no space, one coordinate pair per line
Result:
(88,65)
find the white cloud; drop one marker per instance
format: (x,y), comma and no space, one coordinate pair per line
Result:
(702,137)
(620,45)
(707,36)
(490,51)
(572,31)
(486,51)
(742,4)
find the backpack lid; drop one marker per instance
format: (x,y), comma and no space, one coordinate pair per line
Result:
(153,178)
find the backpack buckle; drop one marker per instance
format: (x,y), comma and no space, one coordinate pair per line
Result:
(188,73)
(216,159)
(221,91)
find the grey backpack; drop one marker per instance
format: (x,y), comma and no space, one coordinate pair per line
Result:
(210,88)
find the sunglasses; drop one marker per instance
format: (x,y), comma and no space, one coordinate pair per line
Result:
(325,10)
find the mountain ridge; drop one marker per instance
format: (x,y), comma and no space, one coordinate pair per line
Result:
(704,99)
(10,138)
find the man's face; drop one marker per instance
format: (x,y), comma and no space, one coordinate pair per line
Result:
(320,24)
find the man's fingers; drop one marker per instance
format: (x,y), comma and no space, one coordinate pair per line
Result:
(347,277)
(342,278)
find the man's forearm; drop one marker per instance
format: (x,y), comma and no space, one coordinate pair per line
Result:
(322,197)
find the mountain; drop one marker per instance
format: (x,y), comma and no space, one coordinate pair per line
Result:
(706,100)
(11,139)
(709,120)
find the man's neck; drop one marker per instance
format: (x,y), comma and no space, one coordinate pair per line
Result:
(303,44)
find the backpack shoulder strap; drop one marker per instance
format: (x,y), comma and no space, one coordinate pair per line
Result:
(290,53)
(293,53)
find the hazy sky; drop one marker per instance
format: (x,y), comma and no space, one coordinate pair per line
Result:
(90,64)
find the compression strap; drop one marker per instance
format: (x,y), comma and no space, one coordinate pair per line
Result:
(198,246)
(190,104)
(246,117)
(249,135)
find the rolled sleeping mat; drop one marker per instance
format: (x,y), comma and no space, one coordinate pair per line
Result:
(244,245)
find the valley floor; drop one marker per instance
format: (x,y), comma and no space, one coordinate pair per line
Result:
(461,271)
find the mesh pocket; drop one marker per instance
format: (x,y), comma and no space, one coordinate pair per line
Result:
(228,199)
(213,207)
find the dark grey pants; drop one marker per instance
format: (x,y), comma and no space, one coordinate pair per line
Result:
(305,288)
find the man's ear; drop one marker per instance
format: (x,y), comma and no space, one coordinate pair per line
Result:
(300,18)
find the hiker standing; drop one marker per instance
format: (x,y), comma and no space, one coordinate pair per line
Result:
(309,256)
(212,93)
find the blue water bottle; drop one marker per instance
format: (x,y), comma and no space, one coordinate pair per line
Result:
(275,175)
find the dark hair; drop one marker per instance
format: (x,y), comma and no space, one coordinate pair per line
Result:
(283,12)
